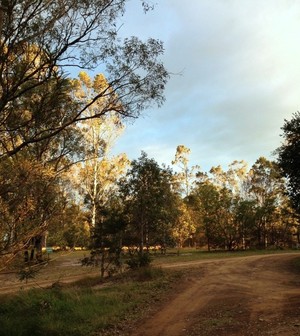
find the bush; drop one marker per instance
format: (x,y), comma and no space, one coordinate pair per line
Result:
(140,260)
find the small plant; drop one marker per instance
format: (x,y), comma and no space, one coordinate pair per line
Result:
(93,259)
(140,260)
(27,273)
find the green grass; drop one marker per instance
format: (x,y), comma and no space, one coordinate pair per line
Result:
(89,306)
(81,309)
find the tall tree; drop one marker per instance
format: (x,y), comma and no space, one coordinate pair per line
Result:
(98,173)
(40,40)
(186,174)
(266,188)
(184,227)
(204,199)
(289,158)
(30,200)
(146,191)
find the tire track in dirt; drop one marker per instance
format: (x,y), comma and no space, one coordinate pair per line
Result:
(240,296)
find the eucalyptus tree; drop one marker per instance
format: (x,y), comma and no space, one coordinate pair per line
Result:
(204,199)
(230,186)
(289,158)
(31,199)
(99,172)
(186,174)
(184,225)
(41,40)
(266,187)
(148,198)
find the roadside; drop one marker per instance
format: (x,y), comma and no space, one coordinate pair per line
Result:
(63,267)
(257,295)
(241,296)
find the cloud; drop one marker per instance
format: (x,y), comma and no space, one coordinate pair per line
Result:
(240,79)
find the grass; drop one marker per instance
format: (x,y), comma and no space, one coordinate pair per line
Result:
(81,309)
(191,254)
(91,307)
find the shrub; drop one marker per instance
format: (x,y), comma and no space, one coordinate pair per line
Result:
(140,260)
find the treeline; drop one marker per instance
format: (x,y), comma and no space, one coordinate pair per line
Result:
(43,111)
(58,183)
(239,208)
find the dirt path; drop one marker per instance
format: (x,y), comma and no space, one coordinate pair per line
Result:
(257,295)
(65,268)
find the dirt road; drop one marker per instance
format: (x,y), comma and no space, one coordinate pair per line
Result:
(257,295)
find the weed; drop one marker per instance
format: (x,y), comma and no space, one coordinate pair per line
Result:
(81,309)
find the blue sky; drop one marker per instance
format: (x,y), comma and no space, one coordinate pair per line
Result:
(240,79)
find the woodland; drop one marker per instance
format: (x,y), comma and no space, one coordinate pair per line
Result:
(60,185)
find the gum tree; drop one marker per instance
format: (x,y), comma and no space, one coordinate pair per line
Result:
(289,158)
(41,40)
(148,197)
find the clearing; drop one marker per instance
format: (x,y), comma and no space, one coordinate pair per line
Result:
(251,295)
(241,296)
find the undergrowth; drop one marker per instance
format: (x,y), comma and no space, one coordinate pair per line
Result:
(85,308)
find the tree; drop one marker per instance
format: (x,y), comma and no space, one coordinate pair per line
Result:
(99,173)
(30,200)
(184,227)
(231,188)
(289,158)
(233,179)
(40,40)
(147,195)
(70,228)
(266,188)
(204,199)
(41,108)
(186,175)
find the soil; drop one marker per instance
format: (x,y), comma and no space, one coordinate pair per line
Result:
(242,296)
(254,295)
(62,268)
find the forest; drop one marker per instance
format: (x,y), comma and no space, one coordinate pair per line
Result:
(60,185)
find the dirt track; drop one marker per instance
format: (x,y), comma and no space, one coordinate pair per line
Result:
(257,295)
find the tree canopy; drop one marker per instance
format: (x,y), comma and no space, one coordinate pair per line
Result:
(41,41)
(289,157)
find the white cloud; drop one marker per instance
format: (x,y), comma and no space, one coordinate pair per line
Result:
(240,80)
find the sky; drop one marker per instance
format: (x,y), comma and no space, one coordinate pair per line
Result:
(237,77)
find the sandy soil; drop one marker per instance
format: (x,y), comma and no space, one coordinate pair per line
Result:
(256,295)
(63,268)
(243,296)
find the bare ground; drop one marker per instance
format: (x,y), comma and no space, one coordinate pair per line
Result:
(243,296)
(256,295)
(62,268)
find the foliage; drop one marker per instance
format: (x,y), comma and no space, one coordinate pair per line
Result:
(184,226)
(139,260)
(289,158)
(70,229)
(241,209)
(40,40)
(30,200)
(147,194)
(43,113)
(185,176)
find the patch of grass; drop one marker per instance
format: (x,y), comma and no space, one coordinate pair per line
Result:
(190,254)
(82,309)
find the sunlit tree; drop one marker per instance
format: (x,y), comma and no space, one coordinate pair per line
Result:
(41,40)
